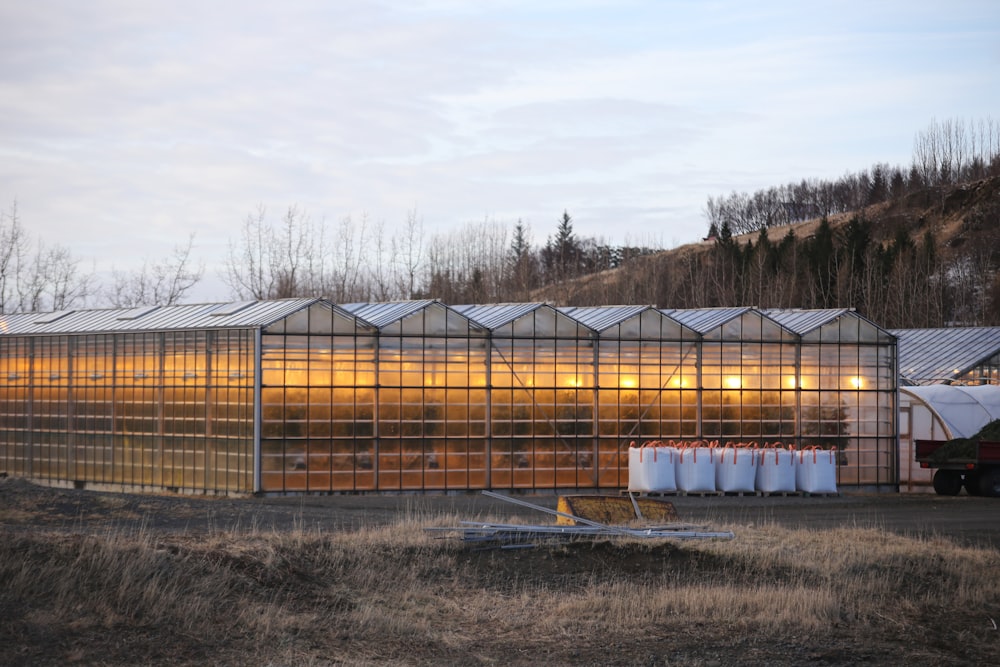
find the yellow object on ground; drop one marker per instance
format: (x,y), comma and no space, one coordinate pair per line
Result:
(615,510)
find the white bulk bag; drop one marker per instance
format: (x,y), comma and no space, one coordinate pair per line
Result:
(735,469)
(696,469)
(816,471)
(651,469)
(775,471)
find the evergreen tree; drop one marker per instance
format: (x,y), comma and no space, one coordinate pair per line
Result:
(857,237)
(563,253)
(519,246)
(523,263)
(822,257)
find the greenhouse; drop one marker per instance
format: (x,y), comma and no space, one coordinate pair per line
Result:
(952,355)
(307,396)
(940,412)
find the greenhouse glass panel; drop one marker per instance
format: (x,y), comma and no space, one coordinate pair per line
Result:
(92,379)
(230,410)
(16,407)
(318,403)
(541,400)
(984,372)
(866,372)
(431,400)
(641,371)
(420,396)
(104,411)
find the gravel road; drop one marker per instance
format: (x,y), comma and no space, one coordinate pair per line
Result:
(966,519)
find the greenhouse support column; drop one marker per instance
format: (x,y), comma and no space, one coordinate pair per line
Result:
(377,401)
(161,409)
(488,417)
(894,350)
(257,374)
(210,341)
(595,411)
(798,396)
(116,392)
(209,461)
(699,392)
(29,445)
(70,420)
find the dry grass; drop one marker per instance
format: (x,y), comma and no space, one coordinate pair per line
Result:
(398,595)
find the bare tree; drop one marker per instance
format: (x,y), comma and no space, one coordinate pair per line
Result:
(272,262)
(381,268)
(349,253)
(13,249)
(969,288)
(247,271)
(410,251)
(66,285)
(470,265)
(39,278)
(159,283)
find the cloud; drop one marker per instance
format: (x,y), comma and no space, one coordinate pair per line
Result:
(124,125)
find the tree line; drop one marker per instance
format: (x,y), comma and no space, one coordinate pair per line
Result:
(293,255)
(885,263)
(36,277)
(945,154)
(481,262)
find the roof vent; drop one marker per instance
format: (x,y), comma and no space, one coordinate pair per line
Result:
(231,308)
(136,313)
(49,318)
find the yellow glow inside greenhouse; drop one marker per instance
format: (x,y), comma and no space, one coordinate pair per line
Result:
(308,396)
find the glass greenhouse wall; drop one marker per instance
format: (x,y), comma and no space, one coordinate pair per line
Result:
(303,395)
(646,383)
(986,371)
(541,397)
(171,410)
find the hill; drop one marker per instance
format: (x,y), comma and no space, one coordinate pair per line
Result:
(929,258)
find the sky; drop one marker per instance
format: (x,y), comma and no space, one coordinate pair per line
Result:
(126,125)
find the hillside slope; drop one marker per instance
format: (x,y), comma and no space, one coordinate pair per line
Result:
(936,252)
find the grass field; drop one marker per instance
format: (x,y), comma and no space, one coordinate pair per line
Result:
(400,595)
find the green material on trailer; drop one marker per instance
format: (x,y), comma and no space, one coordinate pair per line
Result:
(972,463)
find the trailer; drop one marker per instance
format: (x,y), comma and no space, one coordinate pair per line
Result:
(970,463)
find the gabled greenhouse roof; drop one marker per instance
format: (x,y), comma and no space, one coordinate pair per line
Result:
(929,356)
(632,323)
(802,321)
(495,315)
(321,317)
(746,324)
(232,315)
(600,318)
(527,320)
(424,317)
(961,348)
(704,320)
(381,314)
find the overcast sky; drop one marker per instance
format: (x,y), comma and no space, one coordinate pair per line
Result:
(125,125)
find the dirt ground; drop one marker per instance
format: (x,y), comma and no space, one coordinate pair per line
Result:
(973,521)
(968,520)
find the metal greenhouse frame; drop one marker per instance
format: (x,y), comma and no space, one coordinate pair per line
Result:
(307,396)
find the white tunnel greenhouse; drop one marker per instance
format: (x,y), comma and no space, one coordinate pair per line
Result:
(940,412)
(307,396)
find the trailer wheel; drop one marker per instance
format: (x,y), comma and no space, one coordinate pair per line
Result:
(972,483)
(989,482)
(947,482)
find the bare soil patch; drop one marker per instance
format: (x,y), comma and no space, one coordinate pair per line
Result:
(117,579)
